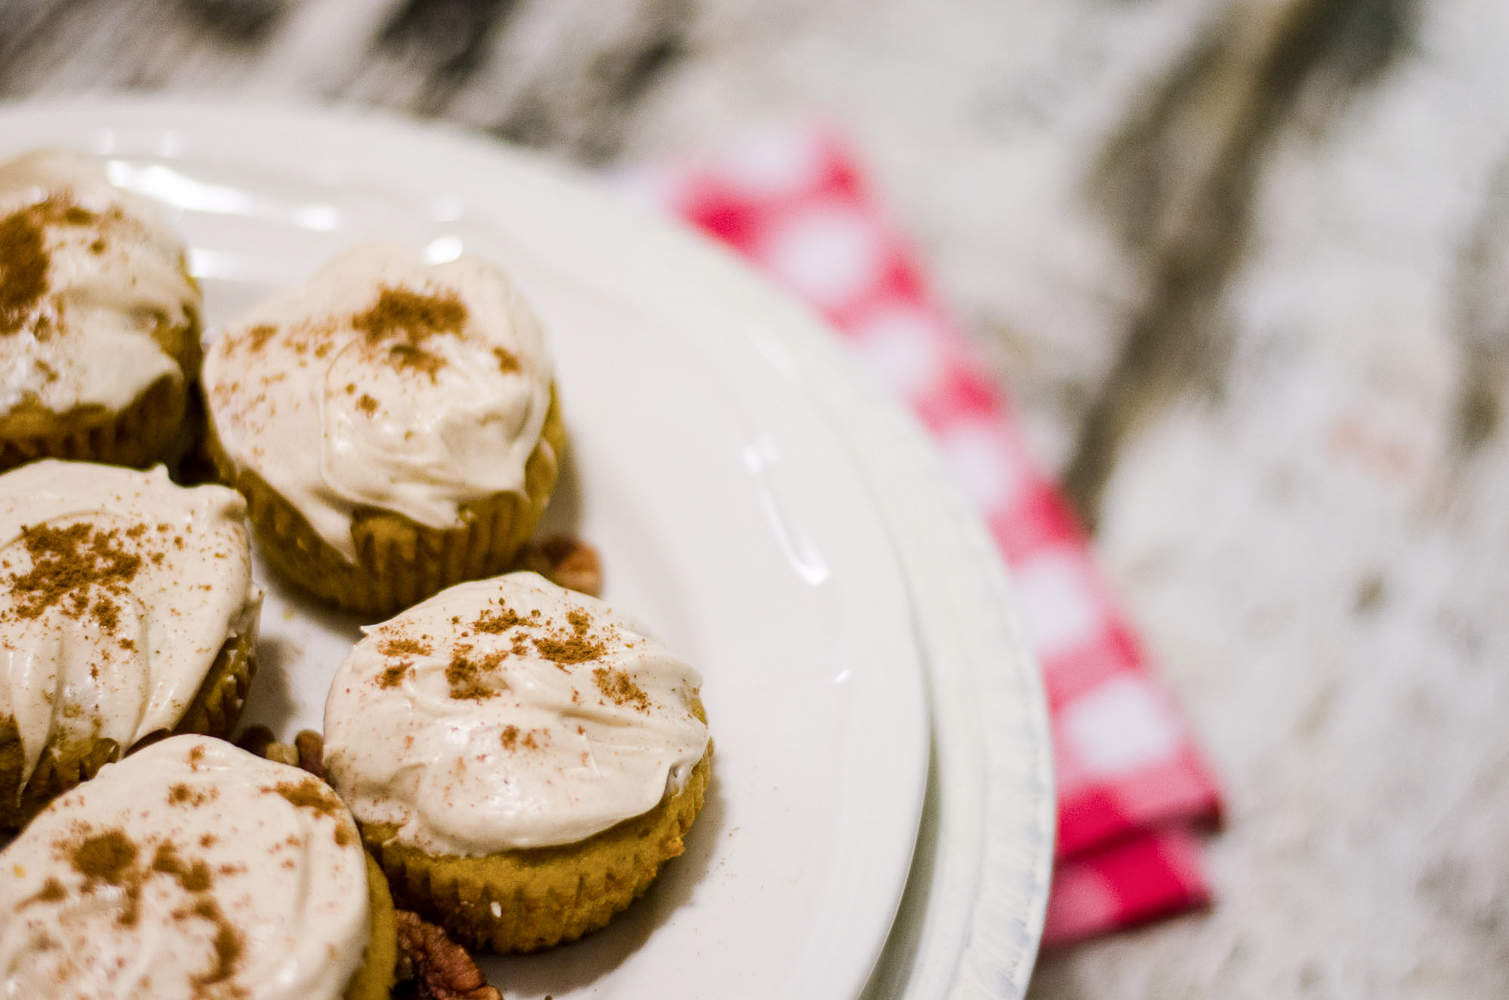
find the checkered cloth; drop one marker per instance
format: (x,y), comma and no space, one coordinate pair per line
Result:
(1130,784)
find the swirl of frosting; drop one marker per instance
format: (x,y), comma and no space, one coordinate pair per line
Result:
(118,589)
(509,713)
(89,276)
(191,869)
(384,382)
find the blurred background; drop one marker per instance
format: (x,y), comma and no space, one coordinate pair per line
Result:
(1242,267)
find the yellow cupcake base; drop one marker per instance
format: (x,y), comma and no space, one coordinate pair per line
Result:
(526,900)
(399,562)
(375,978)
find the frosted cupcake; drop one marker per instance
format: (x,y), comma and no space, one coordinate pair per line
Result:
(99,319)
(194,870)
(127,611)
(522,759)
(392,424)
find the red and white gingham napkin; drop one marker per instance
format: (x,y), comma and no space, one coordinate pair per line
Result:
(1131,786)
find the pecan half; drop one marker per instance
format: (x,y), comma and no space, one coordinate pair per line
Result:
(310,746)
(255,740)
(441,969)
(307,750)
(567,561)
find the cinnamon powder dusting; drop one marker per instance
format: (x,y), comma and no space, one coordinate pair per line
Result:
(401,312)
(578,647)
(194,875)
(394,675)
(105,857)
(111,857)
(618,687)
(309,794)
(183,795)
(403,647)
(259,335)
(80,569)
(24,263)
(468,676)
(75,215)
(52,891)
(228,944)
(505,618)
(533,739)
(404,320)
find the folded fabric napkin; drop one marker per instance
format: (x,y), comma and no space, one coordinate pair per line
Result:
(1131,786)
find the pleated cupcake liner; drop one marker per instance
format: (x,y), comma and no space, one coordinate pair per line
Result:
(217,705)
(526,900)
(139,435)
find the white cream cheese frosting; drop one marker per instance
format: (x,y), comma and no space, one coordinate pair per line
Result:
(117,590)
(191,870)
(384,382)
(509,713)
(87,273)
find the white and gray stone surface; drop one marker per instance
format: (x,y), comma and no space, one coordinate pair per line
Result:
(1243,264)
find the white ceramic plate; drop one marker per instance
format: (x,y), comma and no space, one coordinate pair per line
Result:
(781,524)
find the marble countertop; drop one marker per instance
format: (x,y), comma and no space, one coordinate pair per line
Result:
(1244,267)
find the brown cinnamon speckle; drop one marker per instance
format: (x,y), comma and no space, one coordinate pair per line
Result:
(71,564)
(394,675)
(467,675)
(194,876)
(182,795)
(24,263)
(403,320)
(578,647)
(505,618)
(618,687)
(310,794)
(403,647)
(512,739)
(52,891)
(228,944)
(259,335)
(104,857)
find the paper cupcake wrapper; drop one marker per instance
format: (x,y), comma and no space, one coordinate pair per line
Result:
(217,706)
(141,434)
(399,562)
(59,769)
(526,900)
(213,712)
(375,977)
